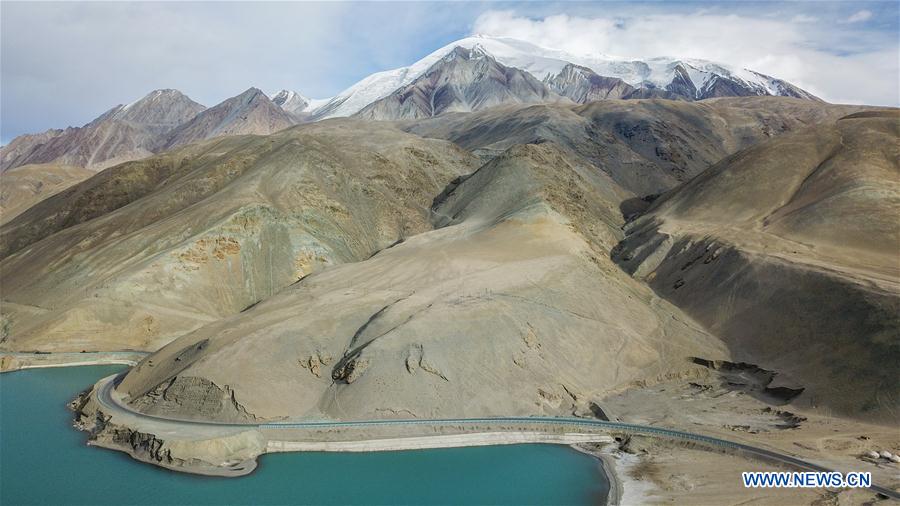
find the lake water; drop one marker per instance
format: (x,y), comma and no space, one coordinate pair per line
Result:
(43,460)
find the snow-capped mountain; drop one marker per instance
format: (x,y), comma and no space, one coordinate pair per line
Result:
(466,75)
(291,101)
(664,77)
(464,80)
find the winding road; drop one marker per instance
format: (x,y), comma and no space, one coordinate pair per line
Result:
(106,399)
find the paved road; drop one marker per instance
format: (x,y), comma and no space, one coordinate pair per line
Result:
(108,401)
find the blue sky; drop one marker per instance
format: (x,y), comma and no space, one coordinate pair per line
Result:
(65,63)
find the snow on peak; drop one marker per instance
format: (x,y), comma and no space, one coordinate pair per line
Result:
(291,101)
(382,84)
(543,63)
(153,96)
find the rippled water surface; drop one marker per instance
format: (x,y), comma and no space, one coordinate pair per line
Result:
(43,460)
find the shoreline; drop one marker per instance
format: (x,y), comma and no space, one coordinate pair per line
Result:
(609,468)
(225,449)
(73,364)
(233,451)
(431,442)
(18,361)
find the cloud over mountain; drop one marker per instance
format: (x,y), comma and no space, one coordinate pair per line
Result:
(774,46)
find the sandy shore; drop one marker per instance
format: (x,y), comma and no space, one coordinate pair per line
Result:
(226,450)
(432,442)
(16,361)
(608,467)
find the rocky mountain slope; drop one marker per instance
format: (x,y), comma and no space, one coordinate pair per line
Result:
(513,288)
(251,112)
(291,101)
(788,252)
(19,148)
(27,185)
(354,269)
(647,147)
(583,85)
(787,261)
(148,250)
(125,132)
(161,120)
(464,80)
(296,105)
(147,209)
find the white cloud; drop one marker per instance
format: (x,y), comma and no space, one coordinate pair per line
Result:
(788,49)
(803,18)
(860,16)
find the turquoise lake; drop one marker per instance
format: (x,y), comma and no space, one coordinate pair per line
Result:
(43,460)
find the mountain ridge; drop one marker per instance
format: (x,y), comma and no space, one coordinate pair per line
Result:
(656,74)
(122,133)
(464,80)
(251,112)
(148,125)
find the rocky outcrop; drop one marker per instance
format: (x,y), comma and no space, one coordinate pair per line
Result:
(682,85)
(8,363)
(292,103)
(583,85)
(316,363)
(230,453)
(193,398)
(142,446)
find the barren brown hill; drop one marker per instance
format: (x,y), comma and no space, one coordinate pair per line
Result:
(22,187)
(790,252)
(511,306)
(68,254)
(782,254)
(515,288)
(646,146)
(148,250)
